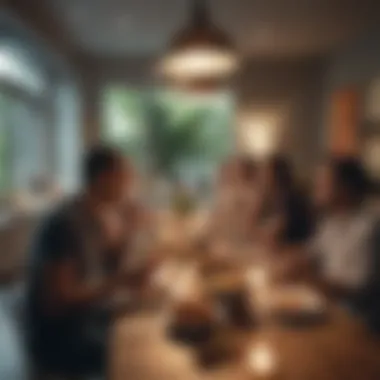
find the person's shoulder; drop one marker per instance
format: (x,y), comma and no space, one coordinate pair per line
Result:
(369,214)
(376,223)
(326,223)
(61,214)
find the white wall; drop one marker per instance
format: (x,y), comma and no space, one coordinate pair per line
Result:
(286,96)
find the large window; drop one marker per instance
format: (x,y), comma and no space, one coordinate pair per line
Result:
(177,136)
(23,123)
(125,123)
(17,70)
(22,144)
(5,157)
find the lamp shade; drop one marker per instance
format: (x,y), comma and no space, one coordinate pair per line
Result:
(201,51)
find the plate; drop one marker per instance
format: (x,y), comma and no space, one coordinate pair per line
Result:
(297,306)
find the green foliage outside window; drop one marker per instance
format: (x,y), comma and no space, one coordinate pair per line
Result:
(167,132)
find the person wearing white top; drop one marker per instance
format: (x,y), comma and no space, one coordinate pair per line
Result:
(343,247)
(235,201)
(346,244)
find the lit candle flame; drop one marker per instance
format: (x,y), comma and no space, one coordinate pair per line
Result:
(261,359)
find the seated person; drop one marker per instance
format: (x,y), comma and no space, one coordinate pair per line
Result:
(140,236)
(346,246)
(284,217)
(236,199)
(69,276)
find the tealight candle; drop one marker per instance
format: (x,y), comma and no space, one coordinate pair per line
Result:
(262,360)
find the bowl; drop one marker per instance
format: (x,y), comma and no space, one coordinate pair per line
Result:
(191,323)
(297,306)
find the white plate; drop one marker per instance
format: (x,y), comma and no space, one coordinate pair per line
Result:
(296,299)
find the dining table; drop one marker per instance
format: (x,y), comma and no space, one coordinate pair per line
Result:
(338,348)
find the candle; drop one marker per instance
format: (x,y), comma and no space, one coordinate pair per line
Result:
(261,359)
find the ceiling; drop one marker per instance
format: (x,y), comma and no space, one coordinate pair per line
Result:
(260,28)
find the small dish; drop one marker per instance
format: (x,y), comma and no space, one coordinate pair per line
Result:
(297,306)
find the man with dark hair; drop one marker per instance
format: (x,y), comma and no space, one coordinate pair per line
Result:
(346,245)
(68,277)
(342,177)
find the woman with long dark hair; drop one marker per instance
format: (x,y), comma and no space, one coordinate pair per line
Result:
(285,211)
(347,240)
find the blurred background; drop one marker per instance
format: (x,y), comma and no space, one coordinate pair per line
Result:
(74,73)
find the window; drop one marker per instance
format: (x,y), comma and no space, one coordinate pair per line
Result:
(5,161)
(15,69)
(125,123)
(174,135)
(40,136)
(21,142)
(23,127)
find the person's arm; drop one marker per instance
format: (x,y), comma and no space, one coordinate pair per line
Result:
(332,289)
(271,231)
(303,260)
(303,265)
(65,288)
(307,262)
(364,272)
(275,231)
(352,278)
(295,263)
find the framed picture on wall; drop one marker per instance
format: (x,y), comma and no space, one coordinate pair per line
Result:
(343,136)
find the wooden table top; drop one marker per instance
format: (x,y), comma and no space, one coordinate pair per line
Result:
(338,349)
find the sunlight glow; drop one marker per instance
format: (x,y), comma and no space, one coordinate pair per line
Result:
(14,70)
(259,134)
(262,360)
